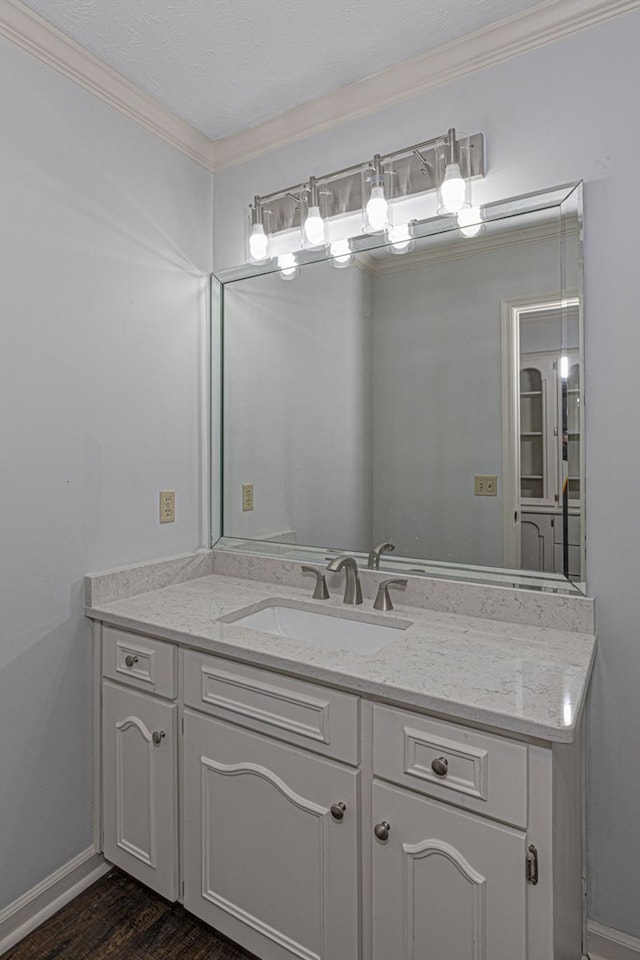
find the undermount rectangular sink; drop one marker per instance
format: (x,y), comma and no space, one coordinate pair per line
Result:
(327,629)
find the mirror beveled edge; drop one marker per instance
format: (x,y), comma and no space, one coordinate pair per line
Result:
(555,197)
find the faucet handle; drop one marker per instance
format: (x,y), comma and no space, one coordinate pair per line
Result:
(320,592)
(383,600)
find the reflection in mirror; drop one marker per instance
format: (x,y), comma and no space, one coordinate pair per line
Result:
(431,400)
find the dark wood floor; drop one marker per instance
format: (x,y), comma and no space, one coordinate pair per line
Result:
(119,919)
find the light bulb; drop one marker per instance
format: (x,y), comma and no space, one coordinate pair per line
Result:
(287,265)
(314,228)
(400,238)
(453,190)
(258,243)
(470,221)
(377,209)
(340,250)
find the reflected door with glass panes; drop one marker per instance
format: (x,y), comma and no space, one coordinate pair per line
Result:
(549,417)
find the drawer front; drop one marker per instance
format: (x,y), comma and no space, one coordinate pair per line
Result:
(139,661)
(298,712)
(477,771)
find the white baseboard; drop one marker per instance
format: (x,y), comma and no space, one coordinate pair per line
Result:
(42,901)
(603,943)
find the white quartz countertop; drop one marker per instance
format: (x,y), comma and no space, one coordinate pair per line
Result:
(517,678)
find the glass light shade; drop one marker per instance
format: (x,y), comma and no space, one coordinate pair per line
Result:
(314,228)
(340,250)
(453,190)
(377,210)
(400,238)
(470,221)
(258,243)
(288,266)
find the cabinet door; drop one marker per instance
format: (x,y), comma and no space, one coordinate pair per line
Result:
(447,885)
(265,862)
(140,786)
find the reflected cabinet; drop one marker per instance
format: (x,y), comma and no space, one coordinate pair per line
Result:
(549,450)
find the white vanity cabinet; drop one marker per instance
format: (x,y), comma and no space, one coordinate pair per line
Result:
(265,860)
(139,761)
(445,883)
(317,824)
(458,875)
(271,828)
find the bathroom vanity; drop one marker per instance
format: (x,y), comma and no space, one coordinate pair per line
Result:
(421,800)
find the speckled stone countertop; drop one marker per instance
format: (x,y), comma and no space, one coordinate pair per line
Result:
(515,677)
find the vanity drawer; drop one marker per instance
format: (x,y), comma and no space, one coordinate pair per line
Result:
(298,712)
(139,661)
(477,771)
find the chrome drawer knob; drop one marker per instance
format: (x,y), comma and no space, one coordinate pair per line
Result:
(337,810)
(382,830)
(130,661)
(440,766)
(158,735)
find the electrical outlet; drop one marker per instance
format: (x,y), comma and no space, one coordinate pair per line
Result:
(167,506)
(484,486)
(247,497)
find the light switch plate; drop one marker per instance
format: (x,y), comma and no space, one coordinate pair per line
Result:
(485,486)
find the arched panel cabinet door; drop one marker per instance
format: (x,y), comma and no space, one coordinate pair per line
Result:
(270,843)
(140,787)
(446,883)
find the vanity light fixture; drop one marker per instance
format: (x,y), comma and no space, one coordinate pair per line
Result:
(400,238)
(470,221)
(288,266)
(376,211)
(377,189)
(340,251)
(258,240)
(314,230)
(452,192)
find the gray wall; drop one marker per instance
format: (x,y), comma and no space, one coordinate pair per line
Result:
(104,245)
(550,116)
(437,397)
(298,406)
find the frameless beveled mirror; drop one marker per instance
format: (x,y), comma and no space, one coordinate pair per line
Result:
(430,397)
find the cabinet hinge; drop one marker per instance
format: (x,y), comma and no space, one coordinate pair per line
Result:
(532,865)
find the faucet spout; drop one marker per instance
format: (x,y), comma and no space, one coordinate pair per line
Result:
(352,590)
(374,557)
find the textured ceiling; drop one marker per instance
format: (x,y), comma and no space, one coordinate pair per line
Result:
(224,65)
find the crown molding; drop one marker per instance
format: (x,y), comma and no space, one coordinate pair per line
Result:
(35,35)
(547,21)
(457,248)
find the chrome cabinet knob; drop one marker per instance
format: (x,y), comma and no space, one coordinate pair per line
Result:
(158,735)
(440,766)
(338,810)
(382,830)
(130,661)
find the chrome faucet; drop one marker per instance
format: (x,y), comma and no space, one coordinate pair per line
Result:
(352,590)
(374,557)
